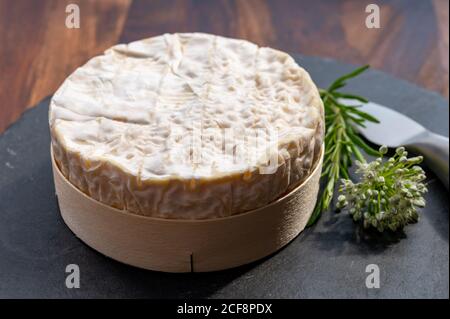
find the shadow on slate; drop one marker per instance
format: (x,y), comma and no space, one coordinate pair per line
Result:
(326,260)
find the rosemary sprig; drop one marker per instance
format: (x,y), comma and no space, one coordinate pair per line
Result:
(342,142)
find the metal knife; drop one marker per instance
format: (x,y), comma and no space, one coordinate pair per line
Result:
(396,129)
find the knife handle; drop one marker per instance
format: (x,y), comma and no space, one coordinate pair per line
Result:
(434,149)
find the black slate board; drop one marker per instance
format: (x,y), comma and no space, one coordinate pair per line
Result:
(326,260)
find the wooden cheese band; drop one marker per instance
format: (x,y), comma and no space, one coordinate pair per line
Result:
(186,245)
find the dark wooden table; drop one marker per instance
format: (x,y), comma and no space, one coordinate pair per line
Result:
(37,51)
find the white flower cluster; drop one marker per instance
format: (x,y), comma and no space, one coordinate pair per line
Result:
(389,192)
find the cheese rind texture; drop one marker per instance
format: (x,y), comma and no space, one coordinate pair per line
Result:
(181,126)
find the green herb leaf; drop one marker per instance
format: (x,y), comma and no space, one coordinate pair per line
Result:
(341,142)
(350,97)
(340,82)
(363,115)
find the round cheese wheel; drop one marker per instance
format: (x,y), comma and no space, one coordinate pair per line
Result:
(187,126)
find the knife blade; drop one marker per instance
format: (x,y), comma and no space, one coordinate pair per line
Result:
(396,129)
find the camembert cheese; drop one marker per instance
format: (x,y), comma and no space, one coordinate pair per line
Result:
(187,126)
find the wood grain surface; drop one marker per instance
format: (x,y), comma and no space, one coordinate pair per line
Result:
(37,51)
(172,245)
